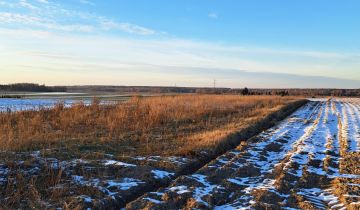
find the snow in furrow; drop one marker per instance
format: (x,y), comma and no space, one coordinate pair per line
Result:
(295,129)
(247,169)
(343,125)
(297,159)
(304,146)
(354,130)
(334,129)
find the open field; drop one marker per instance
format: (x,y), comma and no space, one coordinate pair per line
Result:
(144,121)
(309,161)
(106,156)
(184,152)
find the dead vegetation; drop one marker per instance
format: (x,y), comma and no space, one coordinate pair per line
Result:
(200,126)
(168,124)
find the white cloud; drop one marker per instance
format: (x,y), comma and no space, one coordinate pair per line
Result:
(26,4)
(70,28)
(127,27)
(213,15)
(168,59)
(7,4)
(7,17)
(87,2)
(43,1)
(135,29)
(32,42)
(14,18)
(51,16)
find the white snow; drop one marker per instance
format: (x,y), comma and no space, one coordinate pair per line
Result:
(104,185)
(206,189)
(86,199)
(125,183)
(318,197)
(34,104)
(158,174)
(179,189)
(118,163)
(153,200)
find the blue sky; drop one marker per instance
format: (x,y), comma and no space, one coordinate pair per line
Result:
(257,43)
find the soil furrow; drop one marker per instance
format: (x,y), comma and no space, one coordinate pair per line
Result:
(296,164)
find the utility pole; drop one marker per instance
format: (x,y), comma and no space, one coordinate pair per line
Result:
(214,84)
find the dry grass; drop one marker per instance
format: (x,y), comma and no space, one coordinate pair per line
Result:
(168,125)
(146,125)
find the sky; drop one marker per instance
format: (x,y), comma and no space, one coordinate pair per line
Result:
(238,43)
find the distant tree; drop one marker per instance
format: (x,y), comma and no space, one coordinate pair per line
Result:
(285,93)
(245,91)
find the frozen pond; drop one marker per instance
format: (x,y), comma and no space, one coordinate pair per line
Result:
(12,105)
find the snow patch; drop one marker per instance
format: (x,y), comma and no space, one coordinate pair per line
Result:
(125,183)
(158,174)
(179,189)
(118,163)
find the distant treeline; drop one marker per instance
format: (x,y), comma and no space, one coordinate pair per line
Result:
(308,92)
(290,92)
(9,96)
(241,91)
(30,87)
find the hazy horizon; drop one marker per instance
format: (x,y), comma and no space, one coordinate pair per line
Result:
(258,44)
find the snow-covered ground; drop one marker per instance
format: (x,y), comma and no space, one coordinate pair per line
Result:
(309,161)
(12,105)
(104,183)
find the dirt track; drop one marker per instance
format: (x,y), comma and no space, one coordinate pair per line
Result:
(309,161)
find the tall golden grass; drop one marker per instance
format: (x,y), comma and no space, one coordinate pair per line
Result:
(139,119)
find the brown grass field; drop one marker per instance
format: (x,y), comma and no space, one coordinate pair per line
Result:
(168,124)
(195,127)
